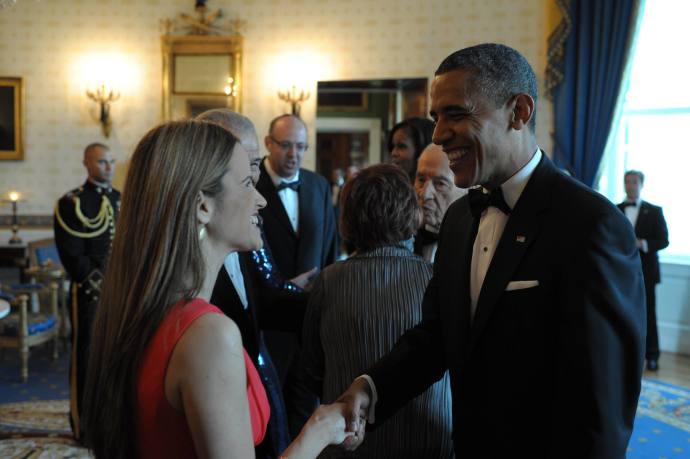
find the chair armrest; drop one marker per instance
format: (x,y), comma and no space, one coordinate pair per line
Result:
(7,297)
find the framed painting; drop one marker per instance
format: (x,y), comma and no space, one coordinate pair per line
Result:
(11,119)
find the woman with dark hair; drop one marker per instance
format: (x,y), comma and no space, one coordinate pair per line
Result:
(167,375)
(359,307)
(406,141)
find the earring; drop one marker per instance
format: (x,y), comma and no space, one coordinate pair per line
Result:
(202,232)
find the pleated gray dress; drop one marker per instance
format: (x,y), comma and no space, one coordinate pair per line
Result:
(358,309)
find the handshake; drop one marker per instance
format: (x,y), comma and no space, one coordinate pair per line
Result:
(340,423)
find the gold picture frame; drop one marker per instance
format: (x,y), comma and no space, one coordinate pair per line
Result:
(11,96)
(176,102)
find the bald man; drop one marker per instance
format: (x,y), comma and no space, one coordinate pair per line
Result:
(84,226)
(436,191)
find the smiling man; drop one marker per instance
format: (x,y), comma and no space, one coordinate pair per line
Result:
(436,190)
(536,306)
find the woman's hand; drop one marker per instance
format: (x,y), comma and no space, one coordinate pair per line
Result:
(328,422)
(325,427)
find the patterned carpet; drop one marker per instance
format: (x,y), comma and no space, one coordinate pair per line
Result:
(34,419)
(34,416)
(662,425)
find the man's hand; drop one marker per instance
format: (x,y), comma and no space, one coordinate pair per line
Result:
(356,398)
(303,279)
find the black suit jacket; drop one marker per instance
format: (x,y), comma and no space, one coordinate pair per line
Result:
(650,225)
(549,371)
(315,246)
(225,297)
(268,308)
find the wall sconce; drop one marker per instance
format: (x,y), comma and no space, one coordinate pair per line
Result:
(294,98)
(104,96)
(14,197)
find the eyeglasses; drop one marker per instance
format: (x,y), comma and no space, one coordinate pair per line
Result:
(287,145)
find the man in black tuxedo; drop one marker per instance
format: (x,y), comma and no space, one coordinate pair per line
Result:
(299,225)
(248,294)
(536,302)
(298,218)
(652,236)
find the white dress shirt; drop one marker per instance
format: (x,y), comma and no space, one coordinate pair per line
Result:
(232,266)
(491,225)
(288,196)
(632,212)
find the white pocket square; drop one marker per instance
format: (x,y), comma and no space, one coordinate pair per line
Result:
(521,285)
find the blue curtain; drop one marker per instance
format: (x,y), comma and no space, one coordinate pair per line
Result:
(587,57)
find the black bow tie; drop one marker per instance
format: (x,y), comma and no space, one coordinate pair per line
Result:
(629,204)
(292,185)
(479,201)
(426,236)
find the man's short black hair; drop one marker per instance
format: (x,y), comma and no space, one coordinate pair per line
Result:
(639,175)
(498,72)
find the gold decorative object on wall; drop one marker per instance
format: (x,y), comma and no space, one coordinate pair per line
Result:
(103,95)
(294,97)
(201,69)
(11,146)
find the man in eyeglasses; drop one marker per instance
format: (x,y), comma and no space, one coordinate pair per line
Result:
(299,224)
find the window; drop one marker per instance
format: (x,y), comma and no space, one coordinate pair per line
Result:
(651,134)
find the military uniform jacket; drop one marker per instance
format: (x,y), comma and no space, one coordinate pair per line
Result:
(84,225)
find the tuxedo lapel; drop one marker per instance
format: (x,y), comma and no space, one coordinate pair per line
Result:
(461,284)
(519,234)
(274,205)
(642,216)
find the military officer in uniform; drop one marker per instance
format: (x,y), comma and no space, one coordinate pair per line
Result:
(84,226)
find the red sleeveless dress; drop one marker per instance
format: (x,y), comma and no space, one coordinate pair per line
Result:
(163,432)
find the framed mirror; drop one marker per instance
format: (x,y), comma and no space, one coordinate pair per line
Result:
(354,118)
(200,72)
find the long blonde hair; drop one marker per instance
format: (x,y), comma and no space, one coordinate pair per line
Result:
(156,261)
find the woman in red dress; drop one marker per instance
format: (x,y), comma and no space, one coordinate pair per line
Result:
(167,374)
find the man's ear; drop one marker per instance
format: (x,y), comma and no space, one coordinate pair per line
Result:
(204,208)
(523,111)
(267,141)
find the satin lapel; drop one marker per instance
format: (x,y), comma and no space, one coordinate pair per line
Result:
(451,277)
(305,202)
(462,283)
(642,216)
(520,232)
(273,203)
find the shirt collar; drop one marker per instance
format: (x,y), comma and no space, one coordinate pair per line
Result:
(275,178)
(513,187)
(636,202)
(97,187)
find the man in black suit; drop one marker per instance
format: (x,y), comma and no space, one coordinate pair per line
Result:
(652,236)
(298,218)
(536,302)
(299,225)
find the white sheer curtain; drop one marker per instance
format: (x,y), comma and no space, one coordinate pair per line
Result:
(652,122)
